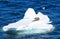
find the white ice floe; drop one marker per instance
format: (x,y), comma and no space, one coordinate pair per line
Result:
(32,23)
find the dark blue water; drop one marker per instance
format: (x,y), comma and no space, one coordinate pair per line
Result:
(13,10)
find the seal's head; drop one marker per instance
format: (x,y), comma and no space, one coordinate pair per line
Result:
(36,19)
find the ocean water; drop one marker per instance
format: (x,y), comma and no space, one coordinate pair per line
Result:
(13,10)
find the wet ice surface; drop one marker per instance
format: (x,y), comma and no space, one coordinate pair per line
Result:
(12,11)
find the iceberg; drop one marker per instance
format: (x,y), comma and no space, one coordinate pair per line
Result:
(31,23)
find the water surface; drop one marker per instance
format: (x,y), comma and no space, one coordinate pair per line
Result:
(13,10)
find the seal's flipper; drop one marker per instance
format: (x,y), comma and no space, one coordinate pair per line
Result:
(30,13)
